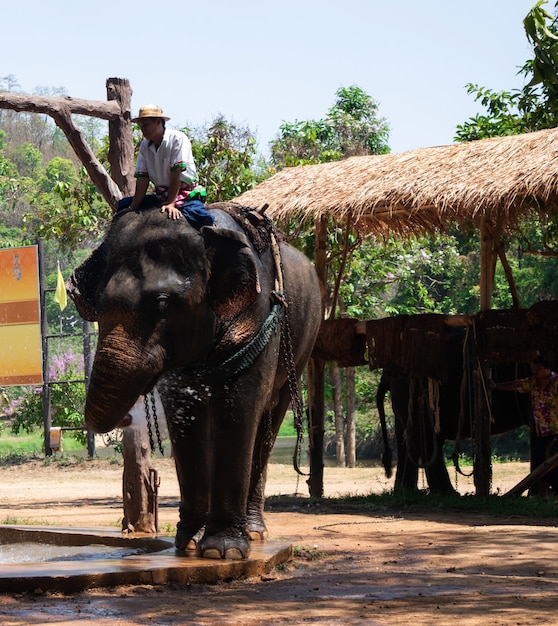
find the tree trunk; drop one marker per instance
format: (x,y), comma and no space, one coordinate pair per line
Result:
(350,435)
(121,141)
(316,379)
(316,390)
(335,379)
(139,490)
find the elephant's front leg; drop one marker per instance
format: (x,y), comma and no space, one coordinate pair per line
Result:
(193,473)
(235,417)
(189,429)
(225,534)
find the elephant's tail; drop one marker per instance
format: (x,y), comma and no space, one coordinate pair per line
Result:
(383,388)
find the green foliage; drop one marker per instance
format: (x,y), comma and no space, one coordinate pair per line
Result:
(351,127)
(23,447)
(28,160)
(12,237)
(535,105)
(304,143)
(358,127)
(540,28)
(72,211)
(58,171)
(287,428)
(224,155)
(25,411)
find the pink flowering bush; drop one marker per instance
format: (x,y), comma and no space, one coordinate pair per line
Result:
(67,398)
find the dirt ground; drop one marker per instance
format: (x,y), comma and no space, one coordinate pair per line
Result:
(349,568)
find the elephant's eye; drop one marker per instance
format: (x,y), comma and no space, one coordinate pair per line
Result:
(163,304)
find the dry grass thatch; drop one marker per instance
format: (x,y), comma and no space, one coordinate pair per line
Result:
(424,189)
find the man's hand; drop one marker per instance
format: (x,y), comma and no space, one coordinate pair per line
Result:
(174,213)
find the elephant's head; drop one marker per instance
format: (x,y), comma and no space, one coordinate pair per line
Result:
(161,292)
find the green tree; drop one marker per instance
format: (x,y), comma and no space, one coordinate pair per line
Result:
(58,170)
(71,211)
(535,105)
(224,154)
(352,126)
(28,160)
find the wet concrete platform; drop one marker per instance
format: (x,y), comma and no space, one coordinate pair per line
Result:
(158,562)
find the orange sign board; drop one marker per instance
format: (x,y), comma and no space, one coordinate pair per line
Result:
(20,320)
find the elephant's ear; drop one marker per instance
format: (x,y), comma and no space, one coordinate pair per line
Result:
(84,281)
(233,282)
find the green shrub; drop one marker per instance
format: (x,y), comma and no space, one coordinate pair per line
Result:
(67,399)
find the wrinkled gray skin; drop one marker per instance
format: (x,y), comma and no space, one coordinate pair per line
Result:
(172,301)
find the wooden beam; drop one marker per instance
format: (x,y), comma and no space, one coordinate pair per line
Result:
(51,105)
(539,472)
(316,377)
(449,320)
(487,264)
(96,171)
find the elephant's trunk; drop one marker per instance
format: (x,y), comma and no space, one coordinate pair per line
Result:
(123,369)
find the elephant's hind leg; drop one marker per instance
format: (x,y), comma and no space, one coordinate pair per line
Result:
(255,524)
(186,537)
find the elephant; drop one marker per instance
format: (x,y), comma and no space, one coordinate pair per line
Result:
(222,319)
(417,440)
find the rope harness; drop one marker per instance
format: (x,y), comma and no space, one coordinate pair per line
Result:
(428,416)
(247,355)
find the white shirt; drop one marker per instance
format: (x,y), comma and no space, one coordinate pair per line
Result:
(174,152)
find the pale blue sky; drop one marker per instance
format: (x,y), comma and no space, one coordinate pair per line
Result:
(261,63)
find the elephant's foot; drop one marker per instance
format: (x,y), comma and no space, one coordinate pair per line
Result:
(257,535)
(256,530)
(186,538)
(223,546)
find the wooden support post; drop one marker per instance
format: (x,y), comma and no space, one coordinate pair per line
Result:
(316,379)
(316,420)
(540,472)
(487,264)
(481,417)
(138,491)
(121,142)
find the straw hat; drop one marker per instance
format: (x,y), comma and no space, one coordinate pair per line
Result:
(150,110)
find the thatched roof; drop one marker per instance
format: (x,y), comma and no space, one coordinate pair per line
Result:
(422,189)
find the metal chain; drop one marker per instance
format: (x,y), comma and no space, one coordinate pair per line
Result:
(157,432)
(287,344)
(148,420)
(296,399)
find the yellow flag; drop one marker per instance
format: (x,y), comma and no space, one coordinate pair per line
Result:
(60,294)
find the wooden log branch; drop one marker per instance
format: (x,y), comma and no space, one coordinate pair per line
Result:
(121,140)
(108,188)
(498,245)
(534,477)
(116,110)
(51,105)
(449,320)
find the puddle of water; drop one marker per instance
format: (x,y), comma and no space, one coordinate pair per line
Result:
(31,552)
